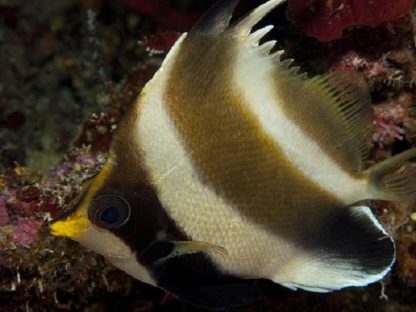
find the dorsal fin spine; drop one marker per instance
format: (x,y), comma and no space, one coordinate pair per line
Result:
(259,34)
(217,19)
(268,46)
(294,70)
(277,56)
(244,27)
(286,63)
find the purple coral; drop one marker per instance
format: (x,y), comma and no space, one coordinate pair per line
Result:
(4,216)
(26,231)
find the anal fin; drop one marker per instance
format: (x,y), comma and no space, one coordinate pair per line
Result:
(352,249)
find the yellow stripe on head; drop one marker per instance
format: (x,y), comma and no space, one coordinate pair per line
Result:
(77,222)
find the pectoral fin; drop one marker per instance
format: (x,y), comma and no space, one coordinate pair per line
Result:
(183,269)
(161,251)
(191,247)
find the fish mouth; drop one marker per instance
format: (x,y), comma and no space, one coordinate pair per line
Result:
(72,222)
(70,226)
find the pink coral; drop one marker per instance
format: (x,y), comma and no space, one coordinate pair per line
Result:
(392,119)
(378,71)
(386,131)
(26,231)
(21,207)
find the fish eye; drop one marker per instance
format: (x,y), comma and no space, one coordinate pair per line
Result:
(109,211)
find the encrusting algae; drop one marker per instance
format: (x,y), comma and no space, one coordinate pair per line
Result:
(50,274)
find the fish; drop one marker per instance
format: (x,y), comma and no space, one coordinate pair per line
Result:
(233,167)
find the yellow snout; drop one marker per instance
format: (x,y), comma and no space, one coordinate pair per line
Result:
(72,227)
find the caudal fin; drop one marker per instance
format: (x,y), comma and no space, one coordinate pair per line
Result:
(394,178)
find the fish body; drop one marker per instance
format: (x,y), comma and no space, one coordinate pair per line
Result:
(233,167)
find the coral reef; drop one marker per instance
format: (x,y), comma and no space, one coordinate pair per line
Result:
(326,20)
(71,69)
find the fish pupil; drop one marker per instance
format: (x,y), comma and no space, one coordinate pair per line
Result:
(110,215)
(109,211)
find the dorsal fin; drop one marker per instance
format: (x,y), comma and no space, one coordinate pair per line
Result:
(334,109)
(328,109)
(217,19)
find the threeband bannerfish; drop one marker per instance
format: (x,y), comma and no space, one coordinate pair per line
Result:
(233,167)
